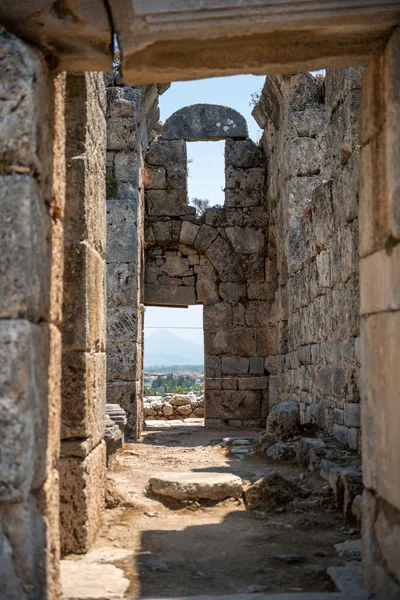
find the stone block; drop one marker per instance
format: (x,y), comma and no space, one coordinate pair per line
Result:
(271,364)
(253,266)
(188,233)
(233,292)
(176,266)
(23,540)
(119,106)
(155,179)
(163,153)
(225,261)
(168,204)
(126,167)
(243,154)
(121,284)
(256,365)
(231,404)
(202,122)
(234,364)
(380,281)
(84,299)
(212,384)
(122,361)
(229,383)
(169,295)
(24,362)
(121,133)
(380,413)
(122,242)
(212,366)
(206,235)
(25,249)
(352,416)
(243,188)
(83,395)
(25,85)
(122,324)
(241,341)
(177,177)
(81,512)
(253,383)
(246,240)
(338,416)
(217,316)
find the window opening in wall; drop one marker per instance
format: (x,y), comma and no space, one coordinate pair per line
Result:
(206,174)
(173,365)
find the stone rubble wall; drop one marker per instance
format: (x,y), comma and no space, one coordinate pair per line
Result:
(218,260)
(174,407)
(311,138)
(32,205)
(82,462)
(132,114)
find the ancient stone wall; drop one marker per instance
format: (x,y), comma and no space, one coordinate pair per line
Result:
(32,206)
(380,320)
(217,259)
(82,463)
(311,138)
(132,113)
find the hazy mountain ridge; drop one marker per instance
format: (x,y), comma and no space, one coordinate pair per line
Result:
(165,348)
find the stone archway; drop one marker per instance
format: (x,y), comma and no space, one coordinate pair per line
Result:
(217,259)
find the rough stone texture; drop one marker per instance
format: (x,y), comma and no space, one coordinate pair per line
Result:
(81,499)
(187,486)
(174,407)
(32,205)
(84,307)
(271,491)
(203,122)
(284,418)
(217,260)
(132,113)
(312,146)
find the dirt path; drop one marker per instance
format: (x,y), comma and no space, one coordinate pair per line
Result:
(216,549)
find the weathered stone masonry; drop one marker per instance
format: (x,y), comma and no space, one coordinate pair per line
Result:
(82,463)
(32,206)
(311,139)
(132,113)
(217,260)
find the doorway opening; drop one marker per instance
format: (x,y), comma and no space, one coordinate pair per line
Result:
(173,373)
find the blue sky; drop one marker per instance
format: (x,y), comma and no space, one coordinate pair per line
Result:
(206,172)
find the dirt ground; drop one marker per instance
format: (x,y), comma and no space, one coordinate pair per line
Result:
(219,549)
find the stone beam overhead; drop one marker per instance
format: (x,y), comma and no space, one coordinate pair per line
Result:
(205,122)
(173,40)
(76,34)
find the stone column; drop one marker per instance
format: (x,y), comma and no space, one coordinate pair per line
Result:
(31,125)
(380,323)
(82,463)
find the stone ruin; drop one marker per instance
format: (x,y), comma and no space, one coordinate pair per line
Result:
(174,407)
(297,272)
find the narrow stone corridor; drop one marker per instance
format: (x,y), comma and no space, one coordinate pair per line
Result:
(154,548)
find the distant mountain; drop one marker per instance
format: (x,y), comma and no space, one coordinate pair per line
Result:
(166,348)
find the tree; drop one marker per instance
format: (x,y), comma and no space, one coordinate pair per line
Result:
(200,205)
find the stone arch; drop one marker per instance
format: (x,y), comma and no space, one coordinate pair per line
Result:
(205,122)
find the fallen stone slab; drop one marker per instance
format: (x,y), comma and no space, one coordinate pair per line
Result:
(81,580)
(106,554)
(349,550)
(189,486)
(348,579)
